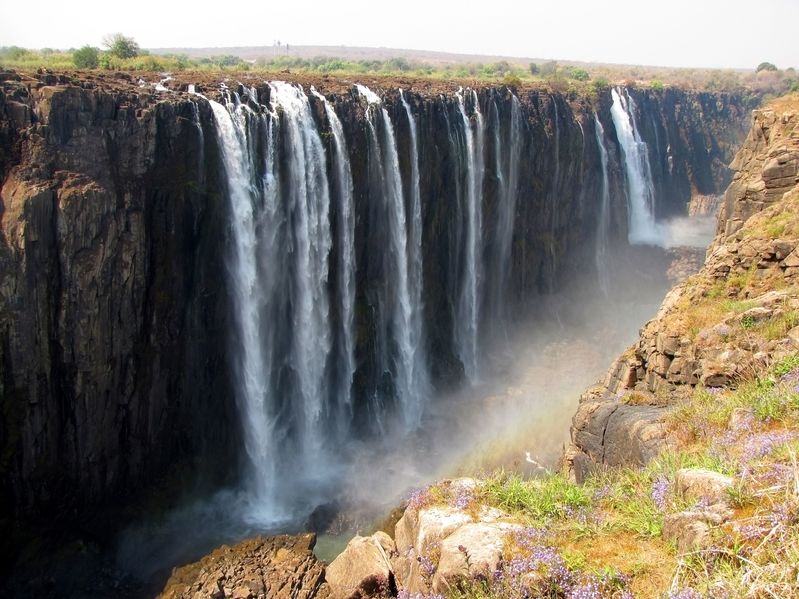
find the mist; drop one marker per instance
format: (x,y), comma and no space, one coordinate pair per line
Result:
(516,418)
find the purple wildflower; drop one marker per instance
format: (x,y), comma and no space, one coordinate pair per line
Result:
(762,444)
(660,490)
(463,498)
(589,590)
(601,493)
(406,595)
(418,498)
(426,564)
(752,532)
(686,593)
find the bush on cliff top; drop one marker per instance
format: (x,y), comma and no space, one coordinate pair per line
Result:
(87,57)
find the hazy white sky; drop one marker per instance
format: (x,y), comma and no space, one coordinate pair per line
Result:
(706,33)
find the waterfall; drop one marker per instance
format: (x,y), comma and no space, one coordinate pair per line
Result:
(467,321)
(507,170)
(603,227)
(278,268)
(398,348)
(251,367)
(346,265)
(415,273)
(308,202)
(555,171)
(640,191)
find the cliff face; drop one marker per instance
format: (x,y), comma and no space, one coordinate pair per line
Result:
(115,315)
(716,328)
(113,319)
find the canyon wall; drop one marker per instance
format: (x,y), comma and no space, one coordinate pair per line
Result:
(116,309)
(713,329)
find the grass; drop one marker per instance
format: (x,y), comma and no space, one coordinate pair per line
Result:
(607,532)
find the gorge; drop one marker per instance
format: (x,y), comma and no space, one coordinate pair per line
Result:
(244,285)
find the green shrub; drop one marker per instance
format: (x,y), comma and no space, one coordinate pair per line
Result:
(15,53)
(87,57)
(656,84)
(601,84)
(580,74)
(766,66)
(512,81)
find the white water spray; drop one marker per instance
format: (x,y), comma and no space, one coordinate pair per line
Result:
(468,319)
(640,191)
(410,395)
(603,228)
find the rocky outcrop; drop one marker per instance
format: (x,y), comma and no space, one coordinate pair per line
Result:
(363,569)
(705,205)
(712,329)
(766,168)
(282,567)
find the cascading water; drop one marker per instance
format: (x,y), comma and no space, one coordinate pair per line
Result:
(507,171)
(398,346)
(251,366)
(295,354)
(284,339)
(346,267)
(603,228)
(556,171)
(308,203)
(415,274)
(468,318)
(640,190)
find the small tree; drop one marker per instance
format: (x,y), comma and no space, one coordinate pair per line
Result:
(87,57)
(120,46)
(534,69)
(580,75)
(766,66)
(549,68)
(512,81)
(601,84)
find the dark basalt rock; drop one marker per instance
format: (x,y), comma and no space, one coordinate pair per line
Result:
(114,313)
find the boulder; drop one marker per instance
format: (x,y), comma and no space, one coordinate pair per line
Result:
(363,569)
(473,551)
(422,529)
(634,435)
(282,567)
(699,483)
(690,530)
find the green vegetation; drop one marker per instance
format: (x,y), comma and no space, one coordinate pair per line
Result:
(580,74)
(121,46)
(766,66)
(123,53)
(607,533)
(87,57)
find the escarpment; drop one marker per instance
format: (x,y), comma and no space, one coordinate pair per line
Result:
(733,318)
(117,304)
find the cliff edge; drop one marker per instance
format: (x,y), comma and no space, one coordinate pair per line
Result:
(715,329)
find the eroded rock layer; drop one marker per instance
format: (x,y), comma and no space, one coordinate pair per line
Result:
(715,327)
(115,315)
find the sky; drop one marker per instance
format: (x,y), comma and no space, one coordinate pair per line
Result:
(682,33)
